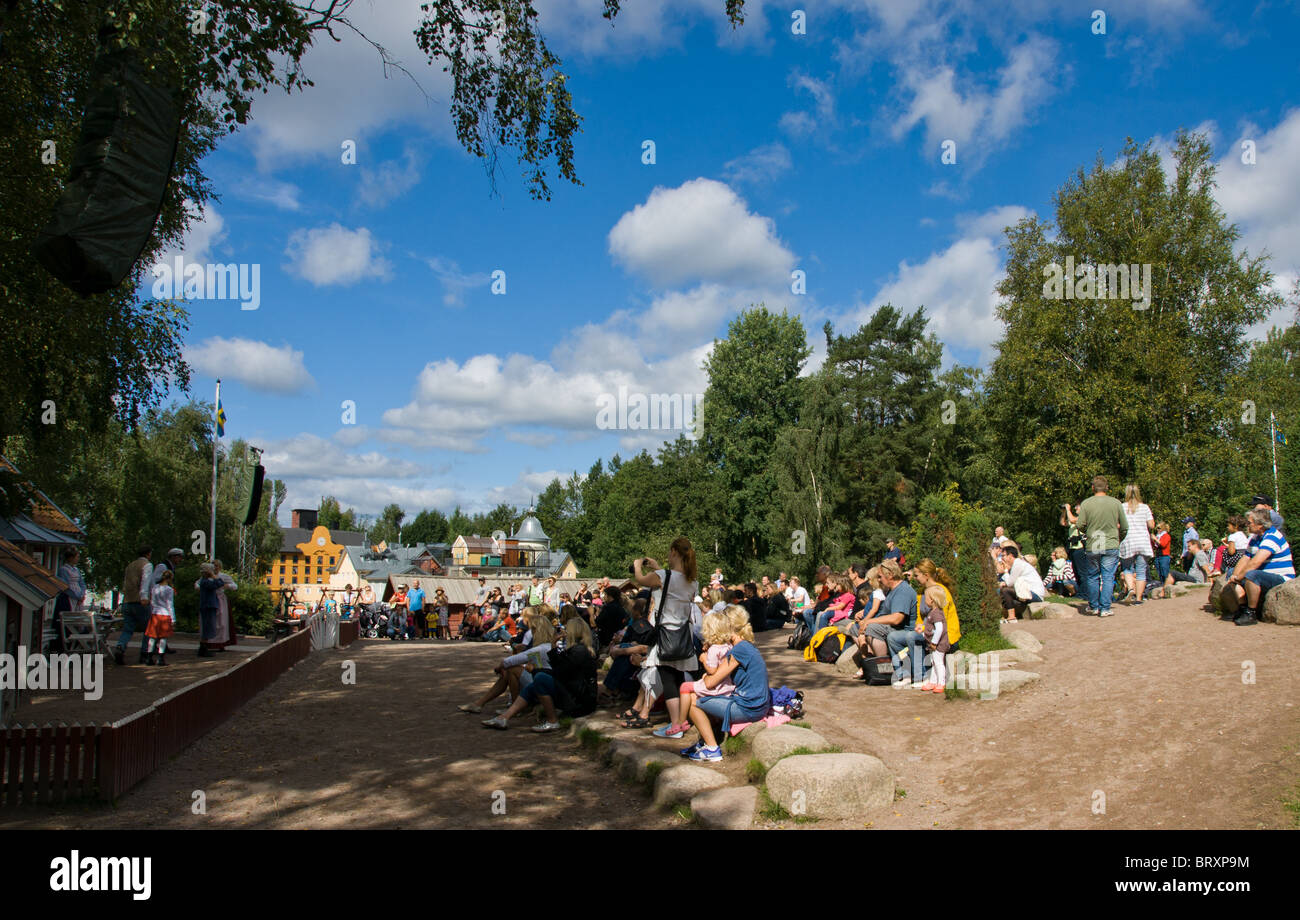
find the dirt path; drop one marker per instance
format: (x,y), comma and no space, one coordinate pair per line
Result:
(390,751)
(1163,727)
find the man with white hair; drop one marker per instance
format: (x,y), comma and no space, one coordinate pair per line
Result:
(1269,565)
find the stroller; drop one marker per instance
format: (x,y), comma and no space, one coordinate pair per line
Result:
(374,620)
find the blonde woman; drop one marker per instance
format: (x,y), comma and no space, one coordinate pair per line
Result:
(1135,552)
(576,629)
(535,643)
(716,634)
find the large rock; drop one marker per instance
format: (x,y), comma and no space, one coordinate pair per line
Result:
(1008,680)
(831,785)
(595,723)
(1222,598)
(778,742)
(632,760)
(1023,638)
(1282,604)
(728,809)
(678,785)
(1005,658)
(1045,611)
(1179,589)
(847,663)
(1008,656)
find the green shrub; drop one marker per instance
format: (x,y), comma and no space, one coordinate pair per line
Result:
(734,744)
(955,536)
(755,772)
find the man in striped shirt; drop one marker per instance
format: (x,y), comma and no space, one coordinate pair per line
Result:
(1269,565)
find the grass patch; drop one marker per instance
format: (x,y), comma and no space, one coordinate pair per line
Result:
(801,724)
(566,721)
(755,772)
(684,812)
(977,643)
(900,793)
(1292,804)
(769,809)
(734,744)
(652,771)
(592,741)
(952,693)
(804,819)
(830,749)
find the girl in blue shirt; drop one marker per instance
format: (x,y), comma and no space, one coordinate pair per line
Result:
(750,701)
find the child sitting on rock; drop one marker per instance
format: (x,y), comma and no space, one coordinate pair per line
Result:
(717,646)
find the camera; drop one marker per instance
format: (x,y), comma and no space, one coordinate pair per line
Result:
(631,569)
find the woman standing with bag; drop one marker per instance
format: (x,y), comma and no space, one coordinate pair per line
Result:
(672,659)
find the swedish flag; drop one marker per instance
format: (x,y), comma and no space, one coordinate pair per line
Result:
(1279,437)
(221,420)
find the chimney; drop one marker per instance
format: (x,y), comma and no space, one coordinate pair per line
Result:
(305,518)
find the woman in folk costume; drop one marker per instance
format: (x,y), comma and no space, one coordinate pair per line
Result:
(225,634)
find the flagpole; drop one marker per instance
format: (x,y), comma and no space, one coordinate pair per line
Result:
(216,438)
(1272,440)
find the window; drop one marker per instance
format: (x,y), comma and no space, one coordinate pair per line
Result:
(282,569)
(282,580)
(295,580)
(331,560)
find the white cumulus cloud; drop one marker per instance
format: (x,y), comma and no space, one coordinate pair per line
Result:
(256,365)
(699,231)
(336,255)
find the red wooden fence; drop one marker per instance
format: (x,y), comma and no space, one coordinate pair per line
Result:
(56,764)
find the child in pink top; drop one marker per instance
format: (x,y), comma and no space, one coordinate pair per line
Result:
(842,606)
(716,634)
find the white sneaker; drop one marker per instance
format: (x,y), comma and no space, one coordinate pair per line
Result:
(546,727)
(903,684)
(1104,613)
(496,722)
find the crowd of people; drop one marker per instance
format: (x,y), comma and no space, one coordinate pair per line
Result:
(1107,537)
(667,644)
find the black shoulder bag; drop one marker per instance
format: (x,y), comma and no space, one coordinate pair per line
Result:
(675,643)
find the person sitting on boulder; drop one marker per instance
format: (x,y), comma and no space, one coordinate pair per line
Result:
(1060,575)
(750,701)
(1270,564)
(717,646)
(1021,584)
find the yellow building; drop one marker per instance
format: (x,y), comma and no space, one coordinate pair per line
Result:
(309,555)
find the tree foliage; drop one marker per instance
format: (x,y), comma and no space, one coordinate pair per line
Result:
(1088,386)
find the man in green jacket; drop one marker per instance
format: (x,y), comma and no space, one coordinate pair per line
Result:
(1103,524)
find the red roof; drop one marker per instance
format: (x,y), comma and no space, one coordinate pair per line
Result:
(24,567)
(40,509)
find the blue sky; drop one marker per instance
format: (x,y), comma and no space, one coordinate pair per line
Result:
(774,152)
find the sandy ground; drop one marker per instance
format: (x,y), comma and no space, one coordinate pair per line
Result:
(1139,721)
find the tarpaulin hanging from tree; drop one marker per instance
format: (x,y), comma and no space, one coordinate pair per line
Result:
(120,171)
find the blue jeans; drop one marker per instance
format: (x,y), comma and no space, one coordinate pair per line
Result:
(1100,579)
(1162,567)
(1266,581)
(914,642)
(134,616)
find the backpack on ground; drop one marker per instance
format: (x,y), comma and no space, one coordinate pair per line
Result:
(826,646)
(799,638)
(878,671)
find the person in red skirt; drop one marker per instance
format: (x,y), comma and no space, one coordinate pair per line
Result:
(162,619)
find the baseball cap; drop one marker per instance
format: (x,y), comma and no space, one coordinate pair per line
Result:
(1261,500)
(1188,520)
(175,551)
